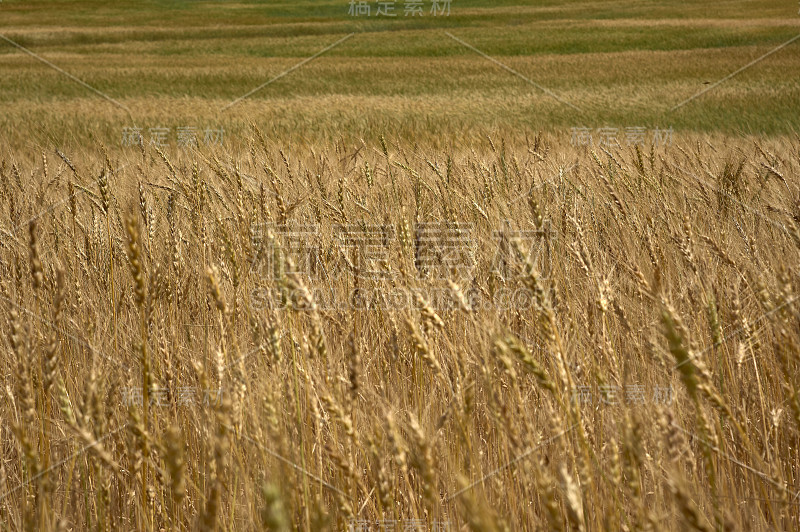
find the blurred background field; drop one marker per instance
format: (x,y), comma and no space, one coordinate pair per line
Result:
(179,64)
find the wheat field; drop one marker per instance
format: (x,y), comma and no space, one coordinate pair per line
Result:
(524,266)
(519,336)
